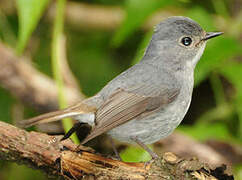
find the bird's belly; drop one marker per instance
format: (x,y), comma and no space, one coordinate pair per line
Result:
(153,127)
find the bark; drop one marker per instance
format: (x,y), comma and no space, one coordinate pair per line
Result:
(44,152)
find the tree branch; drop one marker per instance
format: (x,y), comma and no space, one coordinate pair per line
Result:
(29,85)
(43,152)
(95,16)
(90,16)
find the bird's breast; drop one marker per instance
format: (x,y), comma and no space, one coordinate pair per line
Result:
(161,123)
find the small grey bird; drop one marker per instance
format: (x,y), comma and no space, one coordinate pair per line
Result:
(149,100)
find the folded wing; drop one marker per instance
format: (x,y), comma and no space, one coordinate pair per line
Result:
(123,106)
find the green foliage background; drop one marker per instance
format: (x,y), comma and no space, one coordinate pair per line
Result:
(96,56)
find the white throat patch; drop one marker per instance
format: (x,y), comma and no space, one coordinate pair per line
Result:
(192,64)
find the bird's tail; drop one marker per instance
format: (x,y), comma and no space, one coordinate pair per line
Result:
(49,117)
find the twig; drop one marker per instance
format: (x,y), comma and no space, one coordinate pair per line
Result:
(43,152)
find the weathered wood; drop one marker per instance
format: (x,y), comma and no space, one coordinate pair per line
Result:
(44,152)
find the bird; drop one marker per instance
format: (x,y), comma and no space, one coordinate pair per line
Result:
(149,100)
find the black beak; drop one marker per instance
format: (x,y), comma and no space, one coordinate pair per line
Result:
(210,35)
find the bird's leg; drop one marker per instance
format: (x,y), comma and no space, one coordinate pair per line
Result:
(72,130)
(146,148)
(76,128)
(114,149)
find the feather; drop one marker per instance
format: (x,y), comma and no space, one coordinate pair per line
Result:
(72,111)
(123,106)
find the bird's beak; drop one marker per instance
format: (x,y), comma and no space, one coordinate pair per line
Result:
(210,35)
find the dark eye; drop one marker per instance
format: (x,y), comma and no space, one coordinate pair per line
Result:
(186,41)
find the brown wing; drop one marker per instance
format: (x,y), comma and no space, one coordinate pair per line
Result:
(123,106)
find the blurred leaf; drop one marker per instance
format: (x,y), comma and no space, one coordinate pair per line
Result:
(135,154)
(238,172)
(221,111)
(204,131)
(6,102)
(201,16)
(137,12)
(218,90)
(185,1)
(235,26)
(220,7)
(217,50)
(238,104)
(92,60)
(21,172)
(142,47)
(29,13)
(6,30)
(233,72)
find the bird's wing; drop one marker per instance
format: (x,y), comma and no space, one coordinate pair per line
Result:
(124,105)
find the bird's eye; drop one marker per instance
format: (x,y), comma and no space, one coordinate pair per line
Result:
(186,41)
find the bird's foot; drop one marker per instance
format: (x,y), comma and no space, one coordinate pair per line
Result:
(154,159)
